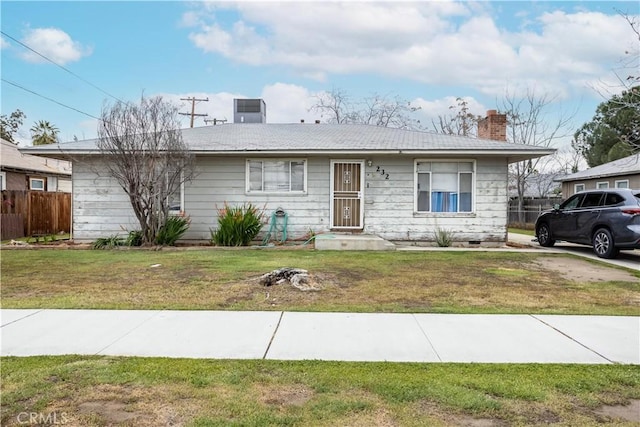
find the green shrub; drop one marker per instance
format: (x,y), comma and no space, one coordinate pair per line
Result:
(134,238)
(237,226)
(108,242)
(174,227)
(444,237)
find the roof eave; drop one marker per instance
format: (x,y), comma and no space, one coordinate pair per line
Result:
(600,175)
(57,154)
(511,155)
(19,169)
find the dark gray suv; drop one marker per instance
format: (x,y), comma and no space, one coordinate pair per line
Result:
(608,220)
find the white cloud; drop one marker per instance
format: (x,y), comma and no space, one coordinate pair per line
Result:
(3,43)
(430,110)
(288,103)
(442,43)
(53,43)
(190,19)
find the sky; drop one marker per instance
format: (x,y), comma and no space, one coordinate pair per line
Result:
(427,53)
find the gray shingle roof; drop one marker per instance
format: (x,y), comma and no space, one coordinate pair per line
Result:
(625,166)
(11,158)
(320,138)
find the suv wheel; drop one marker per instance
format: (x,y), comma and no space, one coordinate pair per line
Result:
(603,244)
(544,235)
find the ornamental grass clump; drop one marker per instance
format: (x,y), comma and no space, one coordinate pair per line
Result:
(109,242)
(174,227)
(237,225)
(443,237)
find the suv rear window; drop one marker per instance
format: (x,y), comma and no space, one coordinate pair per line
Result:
(613,199)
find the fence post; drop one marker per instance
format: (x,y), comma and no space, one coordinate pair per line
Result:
(28,217)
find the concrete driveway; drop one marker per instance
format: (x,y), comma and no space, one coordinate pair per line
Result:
(627,259)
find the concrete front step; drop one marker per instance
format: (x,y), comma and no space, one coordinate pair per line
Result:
(352,242)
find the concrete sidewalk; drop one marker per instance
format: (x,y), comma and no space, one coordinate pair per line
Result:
(323,336)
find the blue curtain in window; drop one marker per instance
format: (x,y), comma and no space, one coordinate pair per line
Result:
(444,201)
(453,202)
(437,201)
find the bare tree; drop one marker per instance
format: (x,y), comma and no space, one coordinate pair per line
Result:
(568,160)
(629,76)
(631,59)
(623,97)
(143,150)
(378,110)
(381,110)
(461,123)
(335,105)
(527,123)
(545,185)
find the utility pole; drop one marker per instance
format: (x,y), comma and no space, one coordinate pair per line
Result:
(193,108)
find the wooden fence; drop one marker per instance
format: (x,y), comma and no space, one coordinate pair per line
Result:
(41,213)
(531,209)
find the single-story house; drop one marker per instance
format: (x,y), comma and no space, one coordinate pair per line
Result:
(397,184)
(22,172)
(538,185)
(621,173)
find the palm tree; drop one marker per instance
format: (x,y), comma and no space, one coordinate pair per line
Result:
(43,132)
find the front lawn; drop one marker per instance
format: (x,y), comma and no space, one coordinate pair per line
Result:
(433,281)
(102,391)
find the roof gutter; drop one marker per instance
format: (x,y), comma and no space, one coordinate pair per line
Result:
(603,175)
(520,154)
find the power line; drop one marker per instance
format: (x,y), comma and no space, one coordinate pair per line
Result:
(58,65)
(50,99)
(214,121)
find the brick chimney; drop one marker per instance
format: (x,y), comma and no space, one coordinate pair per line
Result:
(494,126)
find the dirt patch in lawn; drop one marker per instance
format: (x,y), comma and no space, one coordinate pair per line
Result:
(630,412)
(111,412)
(578,270)
(108,404)
(285,395)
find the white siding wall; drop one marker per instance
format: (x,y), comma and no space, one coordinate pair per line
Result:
(389,204)
(101,208)
(222,180)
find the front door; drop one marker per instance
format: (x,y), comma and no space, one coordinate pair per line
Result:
(346,194)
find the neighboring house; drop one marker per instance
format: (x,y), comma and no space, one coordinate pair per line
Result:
(538,185)
(398,184)
(26,172)
(621,173)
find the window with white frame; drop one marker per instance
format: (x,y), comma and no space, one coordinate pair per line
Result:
(276,176)
(578,188)
(622,183)
(36,184)
(602,185)
(3,181)
(444,186)
(175,199)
